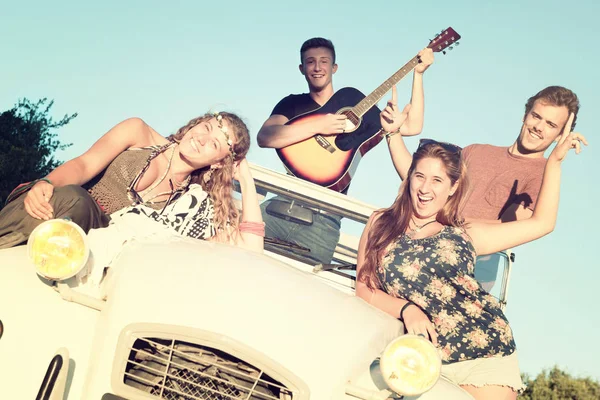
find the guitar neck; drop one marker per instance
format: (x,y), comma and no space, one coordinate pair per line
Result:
(361,108)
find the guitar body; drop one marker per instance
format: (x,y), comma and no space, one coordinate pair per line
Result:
(331,160)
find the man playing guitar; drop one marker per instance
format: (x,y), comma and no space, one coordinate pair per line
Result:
(320,231)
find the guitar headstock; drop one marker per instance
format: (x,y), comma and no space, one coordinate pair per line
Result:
(445,39)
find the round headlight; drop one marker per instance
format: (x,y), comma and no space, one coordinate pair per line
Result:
(58,249)
(410,365)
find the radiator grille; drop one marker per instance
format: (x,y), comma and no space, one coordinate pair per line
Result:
(178,370)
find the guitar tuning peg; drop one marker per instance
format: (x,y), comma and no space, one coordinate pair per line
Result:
(456,43)
(450,48)
(444,52)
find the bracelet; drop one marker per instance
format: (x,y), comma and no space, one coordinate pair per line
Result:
(22,188)
(404,307)
(256,228)
(387,135)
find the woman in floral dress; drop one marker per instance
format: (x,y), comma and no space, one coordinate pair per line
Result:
(416,261)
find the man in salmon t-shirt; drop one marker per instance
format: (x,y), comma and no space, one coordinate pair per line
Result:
(505,181)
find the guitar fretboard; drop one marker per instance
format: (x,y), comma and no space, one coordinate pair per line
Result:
(361,108)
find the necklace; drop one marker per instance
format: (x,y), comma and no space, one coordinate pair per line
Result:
(417,228)
(176,186)
(183,183)
(148,190)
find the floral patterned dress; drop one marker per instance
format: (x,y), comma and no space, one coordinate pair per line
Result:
(436,273)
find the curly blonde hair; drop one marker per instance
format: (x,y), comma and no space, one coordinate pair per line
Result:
(220,185)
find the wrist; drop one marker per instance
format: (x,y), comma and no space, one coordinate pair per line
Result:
(389,134)
(553,161)
(314,128)
(245,176)
(403,309)
(248,188)
(246,180)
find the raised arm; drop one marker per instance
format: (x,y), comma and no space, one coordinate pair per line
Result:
(409,122)
(415,319)
(392,121)
(275,134)
(401,157)
(122,136)
(491,237)
(414,122)
(132,132)
(249,237)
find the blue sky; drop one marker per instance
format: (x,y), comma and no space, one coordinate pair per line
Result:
(168,62)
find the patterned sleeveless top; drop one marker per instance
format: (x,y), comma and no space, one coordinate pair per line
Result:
(436,273)
(190,214)
(109,187)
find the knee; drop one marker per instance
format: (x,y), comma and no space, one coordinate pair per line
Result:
(72,201)
(69,192)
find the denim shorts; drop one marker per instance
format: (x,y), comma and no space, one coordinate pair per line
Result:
(499,371)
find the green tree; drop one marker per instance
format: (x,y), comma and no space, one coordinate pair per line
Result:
(28,141)
(559,385)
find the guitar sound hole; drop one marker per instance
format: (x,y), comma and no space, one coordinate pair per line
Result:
(352,117)
(367,126)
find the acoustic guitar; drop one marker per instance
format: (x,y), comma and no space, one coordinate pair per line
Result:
(331,160)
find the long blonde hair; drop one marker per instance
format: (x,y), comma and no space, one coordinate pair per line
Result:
(393,221)
(220,185)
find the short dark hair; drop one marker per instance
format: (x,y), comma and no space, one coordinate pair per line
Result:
(557,96)
(315,43)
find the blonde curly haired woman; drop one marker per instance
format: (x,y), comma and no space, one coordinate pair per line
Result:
(132,168)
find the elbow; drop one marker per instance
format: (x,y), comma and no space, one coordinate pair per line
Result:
(550,227)
(413,130)
(265,143)
(133,125)
(254,247)
(363,291)
(545,227)
(546,230)
(261,139)
(134,122)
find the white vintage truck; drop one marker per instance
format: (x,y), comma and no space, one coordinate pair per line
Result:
(186,319)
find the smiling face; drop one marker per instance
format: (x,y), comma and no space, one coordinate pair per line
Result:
(318,68)
(541,126)
(205,144)
(430,187)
